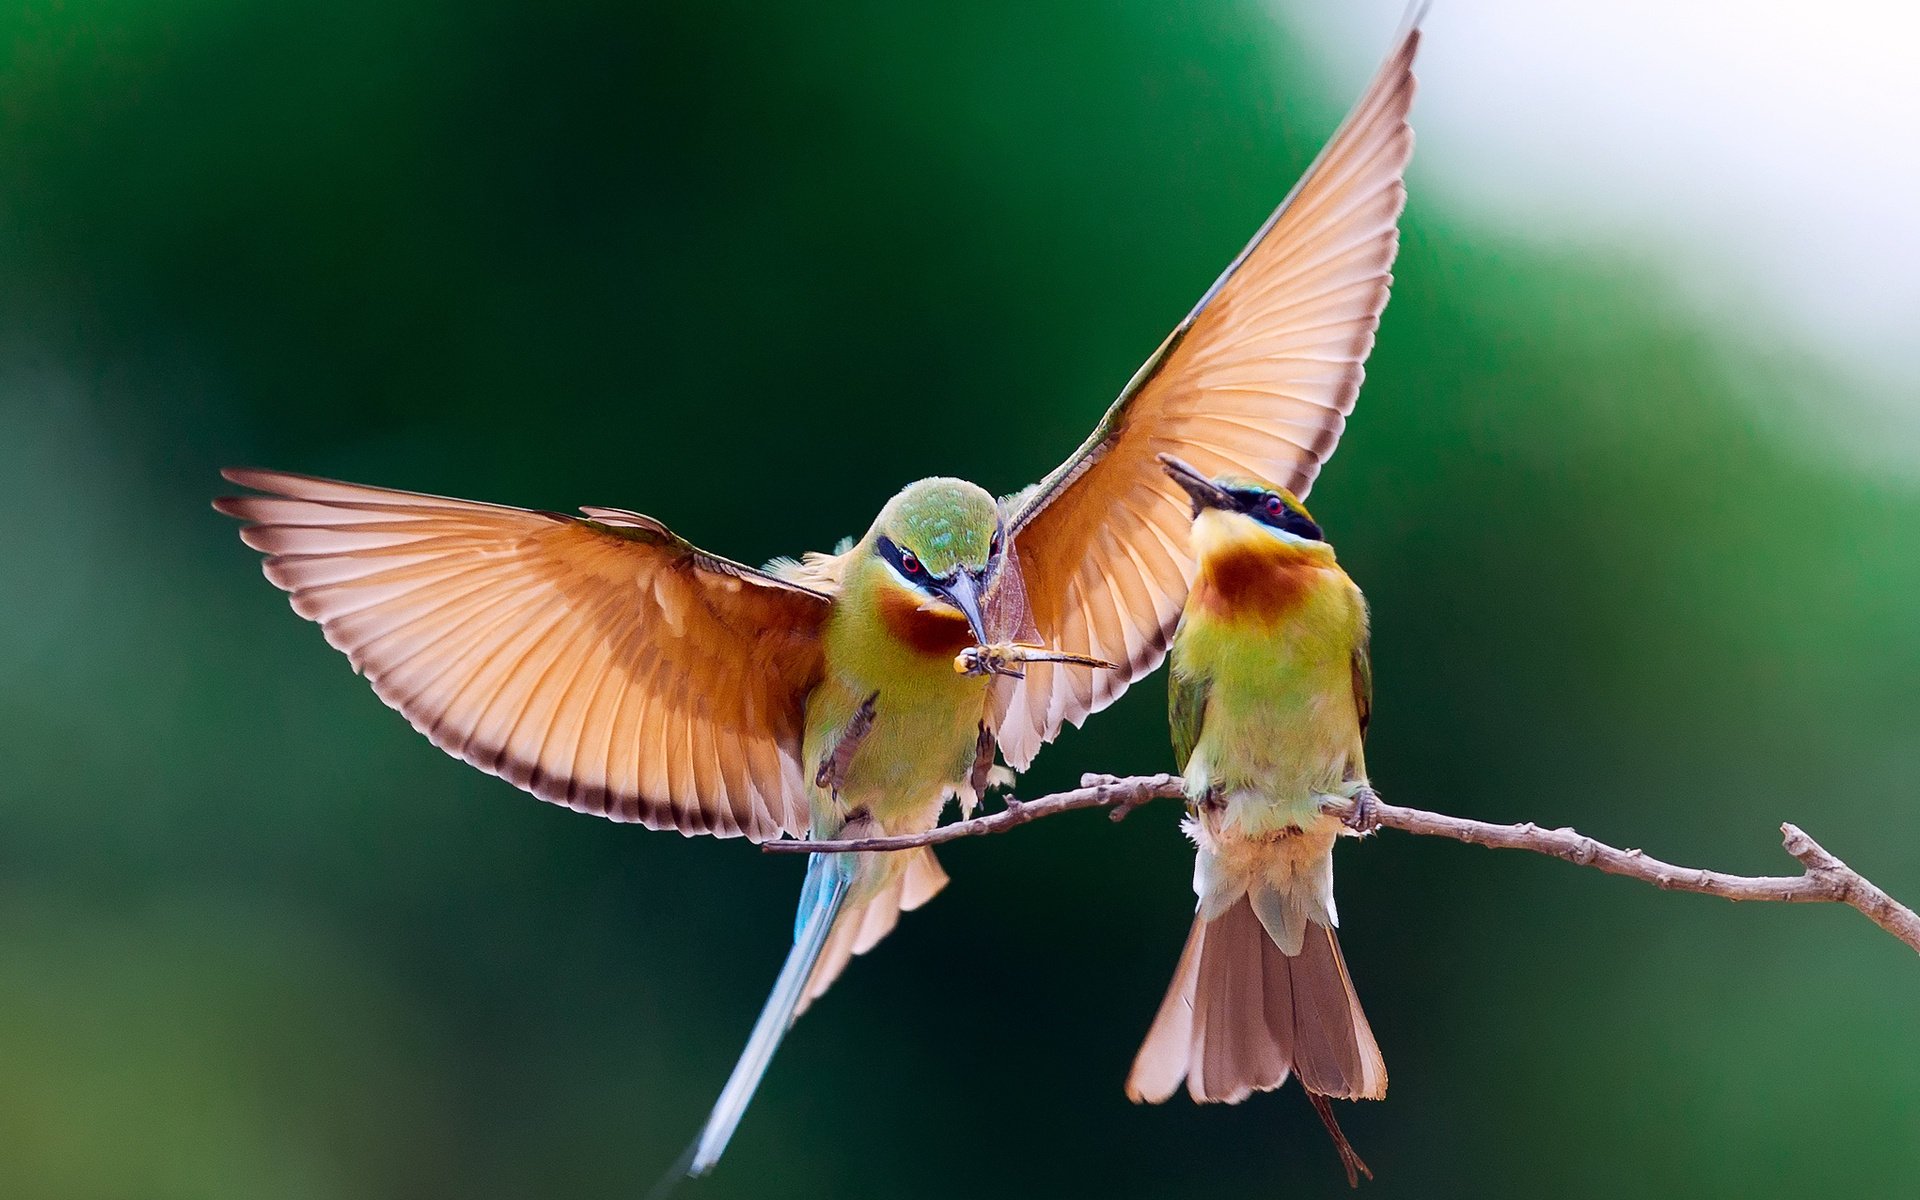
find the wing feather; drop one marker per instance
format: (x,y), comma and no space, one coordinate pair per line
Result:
(1258,380)
(602,664)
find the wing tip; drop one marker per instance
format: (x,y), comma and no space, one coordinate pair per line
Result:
(257,478)
(1416,16)
(265,479)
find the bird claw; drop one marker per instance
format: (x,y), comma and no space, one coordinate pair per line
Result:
(835,763)
(1365,815)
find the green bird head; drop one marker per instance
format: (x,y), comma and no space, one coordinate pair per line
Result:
(1273,507)
(942,539)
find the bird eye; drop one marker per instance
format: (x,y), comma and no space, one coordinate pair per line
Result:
(910,564)
(1275,506)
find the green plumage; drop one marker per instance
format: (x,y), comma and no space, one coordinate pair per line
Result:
(1186,709)
(893,731)
(1270,692)
(1269,707)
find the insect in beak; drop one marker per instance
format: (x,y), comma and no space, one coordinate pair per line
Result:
(1005,658)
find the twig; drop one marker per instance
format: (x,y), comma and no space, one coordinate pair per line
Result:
(1823,878)
(1096,791)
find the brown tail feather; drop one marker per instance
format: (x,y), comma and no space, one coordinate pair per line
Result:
(1241,1016)
(1350,1160)
(862,924)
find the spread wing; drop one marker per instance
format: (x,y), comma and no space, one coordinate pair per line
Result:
(1256,381)
(603,664)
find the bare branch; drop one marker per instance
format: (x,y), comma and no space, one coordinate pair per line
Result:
(1823,878)
(1096,791)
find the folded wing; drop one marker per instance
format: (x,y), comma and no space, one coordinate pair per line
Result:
(1258,380)
(604,664)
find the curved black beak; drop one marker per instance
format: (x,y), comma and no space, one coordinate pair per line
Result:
(1205,493)
(964,592)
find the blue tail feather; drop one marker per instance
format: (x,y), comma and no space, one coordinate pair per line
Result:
(828,876)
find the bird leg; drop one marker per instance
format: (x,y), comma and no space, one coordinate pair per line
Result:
(835,763)
(1348,1157)
(1365,817)
(986,774)
(982,774)
(1006,658)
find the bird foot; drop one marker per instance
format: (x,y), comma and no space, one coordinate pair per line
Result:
(986,775)
(1365,817)
(835,763)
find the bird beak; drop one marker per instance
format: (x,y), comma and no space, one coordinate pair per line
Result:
(964,592)
(1205,493)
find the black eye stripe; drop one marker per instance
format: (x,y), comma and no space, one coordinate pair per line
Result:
(899,557)
(888,549)
(896,558)
(1254,504)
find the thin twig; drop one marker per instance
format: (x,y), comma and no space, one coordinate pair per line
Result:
(1097,791)
(1823,878)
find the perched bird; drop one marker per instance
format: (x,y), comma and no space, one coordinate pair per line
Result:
(1270,690)
(605,664)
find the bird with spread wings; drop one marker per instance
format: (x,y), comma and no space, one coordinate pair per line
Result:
(603,663)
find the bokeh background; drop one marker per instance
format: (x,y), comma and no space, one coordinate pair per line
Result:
(1639,531)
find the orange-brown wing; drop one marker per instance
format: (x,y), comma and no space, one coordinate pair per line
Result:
(602,664)
(1256,381)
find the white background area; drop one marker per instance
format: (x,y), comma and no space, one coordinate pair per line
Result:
(1764,157)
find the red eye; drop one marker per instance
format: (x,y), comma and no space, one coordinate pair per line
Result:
(1275,506)
(909,563)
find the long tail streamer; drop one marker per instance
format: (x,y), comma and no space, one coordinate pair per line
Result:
(820,899)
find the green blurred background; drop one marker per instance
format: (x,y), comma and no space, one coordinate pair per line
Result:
(258,939)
